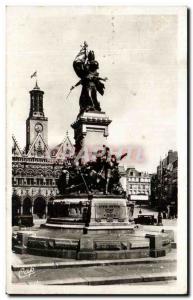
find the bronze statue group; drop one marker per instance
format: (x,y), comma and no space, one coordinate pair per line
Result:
(98,176)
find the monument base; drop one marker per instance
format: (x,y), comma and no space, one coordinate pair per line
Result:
(105,233)
(70,245)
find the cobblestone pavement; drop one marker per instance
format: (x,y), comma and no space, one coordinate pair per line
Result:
(158,283)
(21,259)
(81,274)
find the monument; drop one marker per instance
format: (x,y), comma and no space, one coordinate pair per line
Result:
(89,219)
(91,125)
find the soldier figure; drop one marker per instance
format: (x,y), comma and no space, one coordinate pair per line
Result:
(85,67)
(101,175)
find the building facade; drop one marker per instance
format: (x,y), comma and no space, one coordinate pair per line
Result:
(123,177)
(138,185)
(35,169)
(164,184)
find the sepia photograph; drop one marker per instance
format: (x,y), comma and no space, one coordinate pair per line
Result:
(96,100)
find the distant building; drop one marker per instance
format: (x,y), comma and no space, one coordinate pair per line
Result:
(154,190)
(164,184)
(35,169)
(123,177)
(138,187)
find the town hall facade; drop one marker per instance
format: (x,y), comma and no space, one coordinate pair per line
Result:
(35,169)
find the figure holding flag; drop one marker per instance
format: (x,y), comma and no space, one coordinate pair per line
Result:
(34,74)
(86,68)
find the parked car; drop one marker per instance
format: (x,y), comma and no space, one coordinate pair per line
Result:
(145,220)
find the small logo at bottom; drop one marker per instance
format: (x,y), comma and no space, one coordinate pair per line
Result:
(26,272)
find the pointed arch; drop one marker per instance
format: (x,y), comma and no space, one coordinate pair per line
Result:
(16,208)
(40,206)
(27,206)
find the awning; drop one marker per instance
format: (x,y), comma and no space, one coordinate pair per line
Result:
(68,201)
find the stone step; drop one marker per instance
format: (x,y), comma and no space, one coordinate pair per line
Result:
(114,280)
(75,264)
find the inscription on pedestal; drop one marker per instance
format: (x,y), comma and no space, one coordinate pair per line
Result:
(110,211)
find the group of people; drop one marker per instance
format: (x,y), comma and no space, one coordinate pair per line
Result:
(170,212)
(101,175)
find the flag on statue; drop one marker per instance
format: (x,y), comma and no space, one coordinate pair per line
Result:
(34,74)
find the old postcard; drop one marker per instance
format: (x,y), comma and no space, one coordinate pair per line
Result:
(96,150)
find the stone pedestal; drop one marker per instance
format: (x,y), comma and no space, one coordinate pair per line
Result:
(109,216)
(90,133)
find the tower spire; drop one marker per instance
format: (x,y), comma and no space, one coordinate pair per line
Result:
(36,122)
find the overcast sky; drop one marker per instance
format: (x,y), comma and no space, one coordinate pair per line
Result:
(138,54)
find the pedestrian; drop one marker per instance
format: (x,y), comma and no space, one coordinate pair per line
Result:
(168,211)
(164,214)
(159,219)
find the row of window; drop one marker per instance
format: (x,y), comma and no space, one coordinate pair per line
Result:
(30,174)
(138,192)
(32,181)
(142,186)
(137,179)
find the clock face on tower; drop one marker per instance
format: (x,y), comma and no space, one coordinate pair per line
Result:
(38,127)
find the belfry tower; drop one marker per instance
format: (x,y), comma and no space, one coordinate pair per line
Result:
(36,123)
